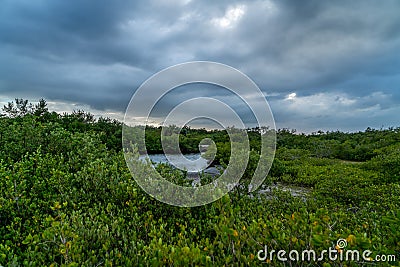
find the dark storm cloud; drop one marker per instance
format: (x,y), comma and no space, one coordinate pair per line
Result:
(319,44)
(68,50)
(66,29)
(98,52)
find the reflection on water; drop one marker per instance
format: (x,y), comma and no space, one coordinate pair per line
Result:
(191,162)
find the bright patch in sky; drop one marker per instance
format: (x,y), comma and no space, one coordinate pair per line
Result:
(232,15)
(291,96)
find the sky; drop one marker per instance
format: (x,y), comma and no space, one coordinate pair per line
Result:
(322,65)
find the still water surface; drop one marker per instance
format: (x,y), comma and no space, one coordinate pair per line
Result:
(191,162)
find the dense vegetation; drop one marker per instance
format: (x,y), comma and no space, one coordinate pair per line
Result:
(67,197)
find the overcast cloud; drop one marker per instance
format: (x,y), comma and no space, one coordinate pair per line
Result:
(322,64)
